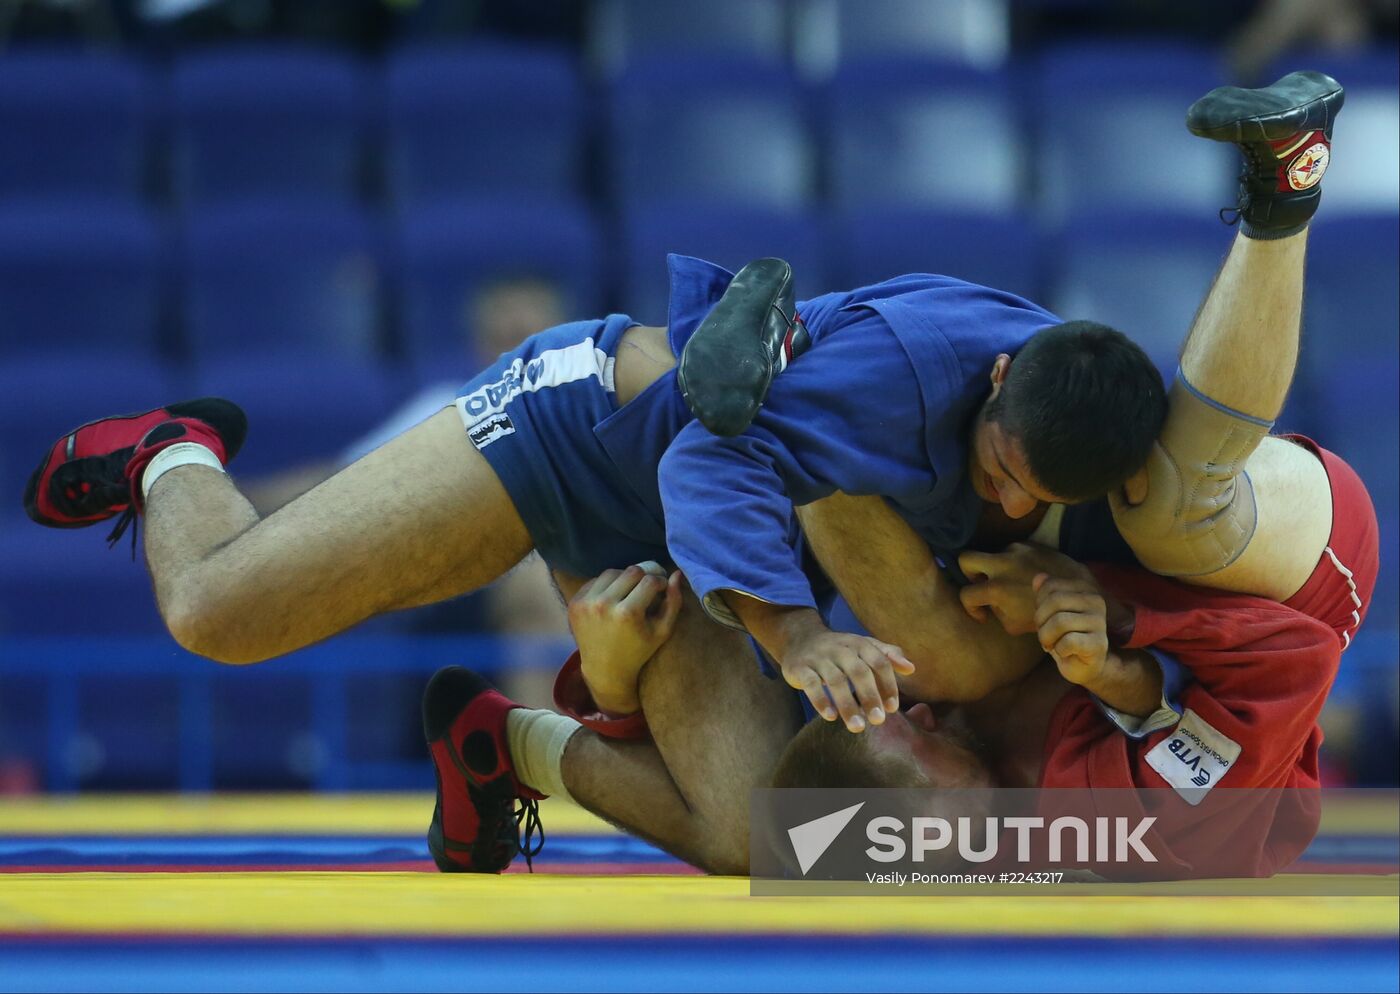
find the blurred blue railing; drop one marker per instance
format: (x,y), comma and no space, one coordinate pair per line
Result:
(56,671)
(64,664)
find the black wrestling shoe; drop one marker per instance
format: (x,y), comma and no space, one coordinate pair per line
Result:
(1285,133)
(748,338)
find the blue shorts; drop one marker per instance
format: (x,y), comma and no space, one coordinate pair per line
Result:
(580,470)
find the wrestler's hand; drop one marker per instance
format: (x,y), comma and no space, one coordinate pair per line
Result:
(619,619)
(1001,582)
(1071,619)
(845,675)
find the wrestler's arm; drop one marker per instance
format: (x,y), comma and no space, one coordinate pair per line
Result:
(892,583)
(1130,682)
(619,619)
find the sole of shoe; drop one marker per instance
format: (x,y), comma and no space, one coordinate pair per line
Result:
(725,371)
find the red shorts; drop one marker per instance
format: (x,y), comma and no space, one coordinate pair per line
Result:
(1339,591)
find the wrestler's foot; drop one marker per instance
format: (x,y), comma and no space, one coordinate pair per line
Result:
(94,471)
(477,825)
(748,338)
(1285,133)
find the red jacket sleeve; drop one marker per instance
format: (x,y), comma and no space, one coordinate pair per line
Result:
(1262,672)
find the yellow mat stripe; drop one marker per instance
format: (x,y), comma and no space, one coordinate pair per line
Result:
(249,814)
(386,814)
(398,904)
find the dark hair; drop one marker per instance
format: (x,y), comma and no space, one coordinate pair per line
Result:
(1086,403)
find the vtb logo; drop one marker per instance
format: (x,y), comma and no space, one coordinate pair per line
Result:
(1190,758)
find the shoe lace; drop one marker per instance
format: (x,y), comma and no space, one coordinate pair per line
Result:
(507,830)
(126,520)
(1252,167)
(527,824)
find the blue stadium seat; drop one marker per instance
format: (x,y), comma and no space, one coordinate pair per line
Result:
(1143,274)
(1350,355)
(1385,603)
(44,396)
(729,236)
(69,581)
(993,250)
(447,252)
(75,123)
(482,120)
(622,30)
(1357,415)
(108,750)
(1362,176)
(971,31)
(264,121)
(709,129)
(280,276)
(924,135)
(300,409)
(79,275)
(1352,303)
(1112,133)
(284,753)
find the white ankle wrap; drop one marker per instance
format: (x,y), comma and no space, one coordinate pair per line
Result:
(177,455)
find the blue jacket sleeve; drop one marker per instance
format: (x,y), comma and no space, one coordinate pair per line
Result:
(848,416)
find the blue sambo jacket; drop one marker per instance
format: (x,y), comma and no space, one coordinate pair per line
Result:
(880,404)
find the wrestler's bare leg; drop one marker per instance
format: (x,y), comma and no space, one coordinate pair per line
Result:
(718,727)
(420,519)
(1241,353)
(1243,345)
(1224,505)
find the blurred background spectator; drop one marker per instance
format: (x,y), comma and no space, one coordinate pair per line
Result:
(336,211)
(494,320)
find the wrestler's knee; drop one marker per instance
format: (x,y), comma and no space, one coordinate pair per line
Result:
(1199,512)
(201,622)
(724,847)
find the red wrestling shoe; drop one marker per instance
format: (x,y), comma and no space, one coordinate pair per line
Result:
(484,816)
(94,472)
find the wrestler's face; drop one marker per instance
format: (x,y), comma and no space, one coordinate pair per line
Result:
(946,756)
(1000,472)
(998,467)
